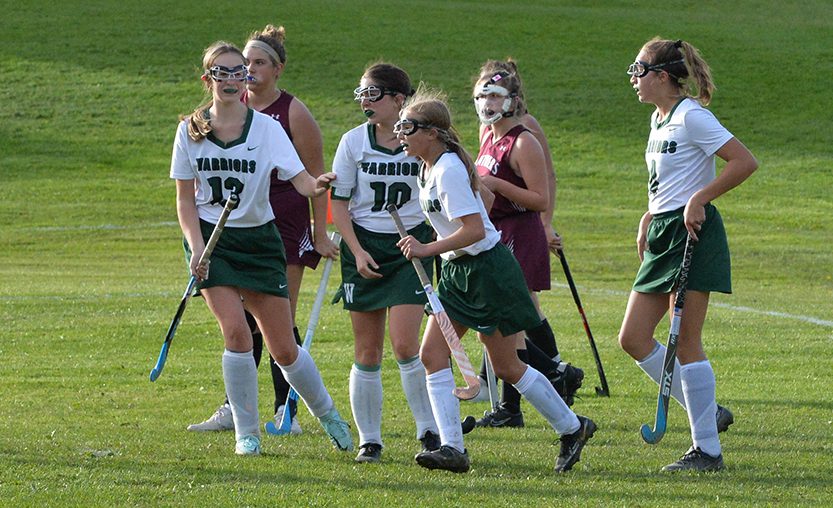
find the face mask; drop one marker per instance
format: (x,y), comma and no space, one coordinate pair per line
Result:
(486,98)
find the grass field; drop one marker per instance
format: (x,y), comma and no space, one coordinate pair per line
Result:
(91,263)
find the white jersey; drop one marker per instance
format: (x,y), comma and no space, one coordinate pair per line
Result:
(371,177)
(680,155)
(241,166)
(445,196)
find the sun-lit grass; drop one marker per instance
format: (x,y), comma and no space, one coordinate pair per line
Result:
(91,260)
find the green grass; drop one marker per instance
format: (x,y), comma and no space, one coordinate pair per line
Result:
(91,263)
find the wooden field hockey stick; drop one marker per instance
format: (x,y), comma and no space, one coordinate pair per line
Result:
(231,204)
(460,358)
(292,397)
(604,391)
(652,436)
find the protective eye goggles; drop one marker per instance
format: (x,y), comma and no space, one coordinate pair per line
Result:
(641,69)
(408,126)
(222,73)
(372,93)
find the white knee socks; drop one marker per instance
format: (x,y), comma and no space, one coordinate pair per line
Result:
(240,377)
(366,402)
(446,408)
(698,387)
(535,387)
(303,375)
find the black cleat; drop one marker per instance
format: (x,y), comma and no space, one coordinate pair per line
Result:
(501,417)
(370,453)
(724,418)
(446,458)
(430,442)
(566,380)
(696,460)
(572,444)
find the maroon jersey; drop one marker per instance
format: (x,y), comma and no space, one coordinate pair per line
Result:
(292,213)
(493,159)
(520,229)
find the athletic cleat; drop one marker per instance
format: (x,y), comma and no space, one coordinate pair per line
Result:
(296,427)
(337,429)
(572,444)
(247,445)
(501,417)
(724,418)
(430,442)
(567,381)
(220,420)
(370,453)
(446,457)
(696,460)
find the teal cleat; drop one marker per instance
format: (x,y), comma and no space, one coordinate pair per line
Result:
(337,429)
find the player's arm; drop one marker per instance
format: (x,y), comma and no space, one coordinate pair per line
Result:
(527,160)
(553,240)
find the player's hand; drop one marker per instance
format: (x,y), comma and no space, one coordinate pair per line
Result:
(365,265)
(200,271)
(326,247)
(412,248)
(323,182)
(694,216)
(554,242)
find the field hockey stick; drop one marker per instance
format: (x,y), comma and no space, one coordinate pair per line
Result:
(469,423)
(472,387)
(231,203)
(653,436)
(604,391)
(491,381)
(292,397)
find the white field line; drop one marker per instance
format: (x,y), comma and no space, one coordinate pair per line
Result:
(105,227)
(611,292)
(735,308)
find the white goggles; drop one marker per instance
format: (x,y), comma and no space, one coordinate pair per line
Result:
(223,73)
(371,93)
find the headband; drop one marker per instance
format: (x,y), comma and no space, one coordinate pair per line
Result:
(254,43)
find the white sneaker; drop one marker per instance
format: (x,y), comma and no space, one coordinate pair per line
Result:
(296,427)
(220,420)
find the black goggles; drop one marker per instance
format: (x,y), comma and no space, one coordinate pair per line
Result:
(408,126)
(372,93)
(222,73)
(641,69)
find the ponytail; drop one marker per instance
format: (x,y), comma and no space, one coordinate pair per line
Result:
(685,65)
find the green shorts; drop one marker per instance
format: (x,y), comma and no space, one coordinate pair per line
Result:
(399,284)
(711,268)
(487,292)
(249,258)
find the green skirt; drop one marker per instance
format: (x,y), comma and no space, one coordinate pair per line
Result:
(399,284)
(487,292)
(711,268)
(249,258)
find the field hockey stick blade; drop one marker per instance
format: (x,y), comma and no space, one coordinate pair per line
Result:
(472,387)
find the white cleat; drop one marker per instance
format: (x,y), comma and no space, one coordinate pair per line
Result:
(220,420)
